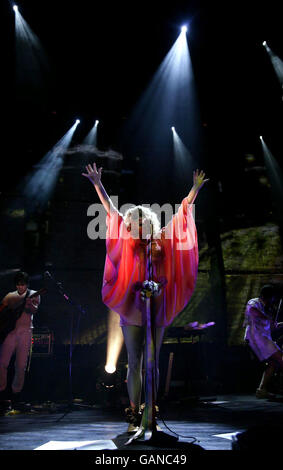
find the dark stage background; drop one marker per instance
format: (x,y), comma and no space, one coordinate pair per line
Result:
(101,58)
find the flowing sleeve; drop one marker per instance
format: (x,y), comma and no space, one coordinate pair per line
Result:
(114,247)
(120,270)
(179,240)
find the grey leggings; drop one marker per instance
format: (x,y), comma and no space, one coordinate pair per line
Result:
(134,337)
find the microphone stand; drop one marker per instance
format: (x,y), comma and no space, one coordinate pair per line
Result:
(278,310)
(81,310)
(147,432)
(277,332)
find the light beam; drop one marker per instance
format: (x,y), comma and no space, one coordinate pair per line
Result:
(182,157)
(32,71)
(277,63)
(115,341)
(170,97)
(91,137)
(275,176)
(40,184)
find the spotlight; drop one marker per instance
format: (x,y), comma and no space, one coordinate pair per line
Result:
(108,381)
(110,368)
(78,121)
(264,43)
(260,137)
(184,29)
(173,128)
(96,123)
(15,8)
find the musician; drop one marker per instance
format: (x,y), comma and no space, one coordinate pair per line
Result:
(174,266)
(258,334)
(18,341)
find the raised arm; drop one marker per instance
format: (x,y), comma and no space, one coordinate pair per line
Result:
(199,180)
(94,177)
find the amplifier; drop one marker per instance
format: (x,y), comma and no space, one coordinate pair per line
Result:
(42,342)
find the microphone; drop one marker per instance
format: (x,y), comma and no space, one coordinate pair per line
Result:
(47,275)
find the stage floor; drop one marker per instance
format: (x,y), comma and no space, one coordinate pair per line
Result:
(206,423)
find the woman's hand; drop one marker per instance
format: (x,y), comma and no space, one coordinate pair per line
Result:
(94,177)
(198,183)
(93,174)
(199,179)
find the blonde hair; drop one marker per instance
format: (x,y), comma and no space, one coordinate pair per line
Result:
(148,214)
